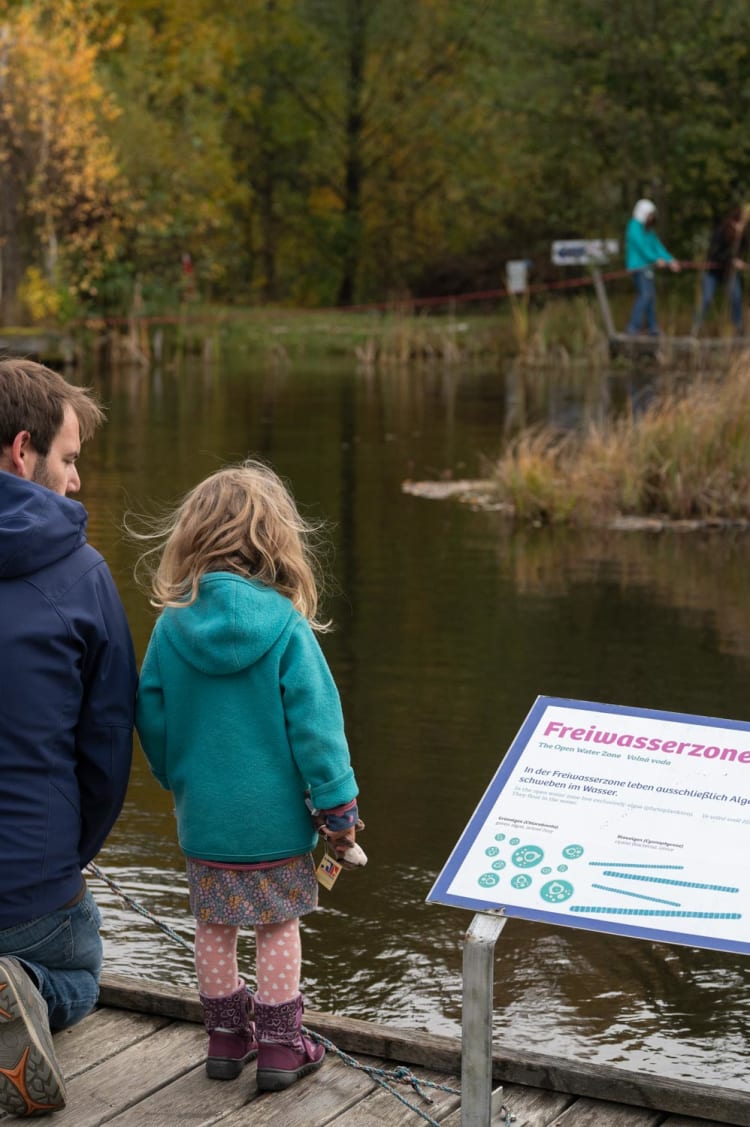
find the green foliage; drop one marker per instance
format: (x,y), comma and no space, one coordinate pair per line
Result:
(315,152)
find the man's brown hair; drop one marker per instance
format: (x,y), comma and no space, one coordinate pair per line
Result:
(34,398)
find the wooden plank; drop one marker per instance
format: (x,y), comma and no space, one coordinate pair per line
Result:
(102,1092)
(100,1036)
(686,1121)
(601,1113)
(397,1106)
(535,1070)
(605,1082)
(311,1102)
(201,1102)
(353,1036)
(342,1097)
(530,1107)
(192,1098)
(121,991)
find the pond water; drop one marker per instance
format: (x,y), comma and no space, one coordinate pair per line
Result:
(449,624)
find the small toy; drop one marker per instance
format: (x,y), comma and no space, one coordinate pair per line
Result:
(340,844)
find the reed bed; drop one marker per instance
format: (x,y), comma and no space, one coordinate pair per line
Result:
(687,456)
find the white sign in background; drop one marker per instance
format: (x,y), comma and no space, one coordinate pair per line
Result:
(627,821)
(583,252)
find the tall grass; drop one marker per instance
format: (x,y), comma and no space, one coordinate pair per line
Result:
(687,456)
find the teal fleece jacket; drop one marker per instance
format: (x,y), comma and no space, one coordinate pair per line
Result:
(238,716)
(643,247)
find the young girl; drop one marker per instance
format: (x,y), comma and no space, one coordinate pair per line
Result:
(239,718)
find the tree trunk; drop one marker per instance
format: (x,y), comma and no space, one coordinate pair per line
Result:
(353,174)
(11,251)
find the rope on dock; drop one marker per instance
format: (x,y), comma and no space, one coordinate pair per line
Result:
(381,1076)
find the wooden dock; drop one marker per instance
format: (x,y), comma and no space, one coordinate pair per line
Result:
(663,349)
(138,1061)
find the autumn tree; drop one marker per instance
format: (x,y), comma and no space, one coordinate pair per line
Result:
(170,75)
(57,165)
(611,103)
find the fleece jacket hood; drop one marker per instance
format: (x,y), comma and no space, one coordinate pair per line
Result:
(232,625)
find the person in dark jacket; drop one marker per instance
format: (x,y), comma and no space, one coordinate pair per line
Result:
(68,677)
(727,252)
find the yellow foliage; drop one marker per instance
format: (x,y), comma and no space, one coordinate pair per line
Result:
(57,159)
(38,297)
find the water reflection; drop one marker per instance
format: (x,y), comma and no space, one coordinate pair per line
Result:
(450,624)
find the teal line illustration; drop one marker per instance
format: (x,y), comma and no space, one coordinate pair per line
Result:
(631,865)
(667,880)
(637,895)
(655,912)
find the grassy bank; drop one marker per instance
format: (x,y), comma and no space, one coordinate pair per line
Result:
(560,331)
(542,330)
(687,456)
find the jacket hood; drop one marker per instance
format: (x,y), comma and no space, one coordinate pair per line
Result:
(643,210)
(37,526)
(231,625)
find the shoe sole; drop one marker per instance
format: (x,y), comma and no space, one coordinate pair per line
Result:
(276,1079)
(227,1068)
(30,1082)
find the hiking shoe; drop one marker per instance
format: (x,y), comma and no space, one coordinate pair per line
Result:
(30,1078)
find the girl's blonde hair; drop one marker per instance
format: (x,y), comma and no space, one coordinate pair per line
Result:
(241,519)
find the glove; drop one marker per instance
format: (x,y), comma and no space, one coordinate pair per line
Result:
(338,828)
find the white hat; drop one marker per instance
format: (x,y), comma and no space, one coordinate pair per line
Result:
(643,210)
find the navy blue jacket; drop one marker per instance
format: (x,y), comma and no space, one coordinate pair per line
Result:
(67,695)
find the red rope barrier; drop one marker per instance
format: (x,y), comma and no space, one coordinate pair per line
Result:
(411,303)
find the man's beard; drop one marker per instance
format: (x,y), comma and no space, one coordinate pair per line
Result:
(41,473)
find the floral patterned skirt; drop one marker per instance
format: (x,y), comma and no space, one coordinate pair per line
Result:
(245,897)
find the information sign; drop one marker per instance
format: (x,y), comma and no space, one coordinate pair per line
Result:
(517,275)
(621,820)
(583,252)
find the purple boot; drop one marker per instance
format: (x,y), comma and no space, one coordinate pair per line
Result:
(231,1041)
(284,1054)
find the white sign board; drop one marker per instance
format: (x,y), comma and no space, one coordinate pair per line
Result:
(583,252)
(628,821)
(516,275)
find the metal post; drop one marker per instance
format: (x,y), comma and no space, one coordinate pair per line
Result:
(601,294)
(476,1019)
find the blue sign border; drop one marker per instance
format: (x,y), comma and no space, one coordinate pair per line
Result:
(439,892)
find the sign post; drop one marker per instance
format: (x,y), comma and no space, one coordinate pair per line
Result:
(626,821)
(476,1019)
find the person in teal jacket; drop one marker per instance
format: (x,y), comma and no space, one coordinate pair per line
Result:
(240,719)
(643,252)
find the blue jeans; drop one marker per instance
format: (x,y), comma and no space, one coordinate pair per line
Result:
(711,283)
(63,952)
(645,303)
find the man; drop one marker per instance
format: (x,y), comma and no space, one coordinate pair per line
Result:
(67,693)
(644,251)
(727,252)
